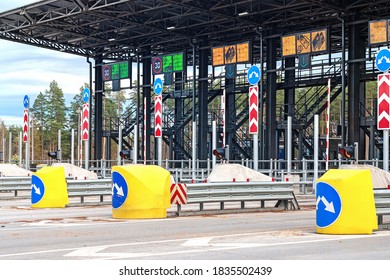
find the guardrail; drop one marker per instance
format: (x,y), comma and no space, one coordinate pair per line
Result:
(223,192)
(20,188)
(382,203)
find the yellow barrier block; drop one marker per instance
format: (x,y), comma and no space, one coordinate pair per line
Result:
(345,202)
(140,192)
(49,188)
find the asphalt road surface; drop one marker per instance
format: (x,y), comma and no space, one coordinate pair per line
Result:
(90,233)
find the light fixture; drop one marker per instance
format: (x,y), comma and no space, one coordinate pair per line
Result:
(171,27)
(111,39)
(243,14)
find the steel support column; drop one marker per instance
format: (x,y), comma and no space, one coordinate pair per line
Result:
(289,97)
(271,141)
(356,50)
(202,101)
(98,109)
(231,116)
(146,92)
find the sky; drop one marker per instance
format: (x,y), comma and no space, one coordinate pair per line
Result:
(28,70)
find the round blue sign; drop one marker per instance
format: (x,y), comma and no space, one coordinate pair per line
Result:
(383,60)
(329,205)
(158,86)
(26,101)
(37,189)
(119,190)
(253,75)
(86,95)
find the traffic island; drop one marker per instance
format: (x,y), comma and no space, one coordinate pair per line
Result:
(49,188)
(140,192)
(345,202)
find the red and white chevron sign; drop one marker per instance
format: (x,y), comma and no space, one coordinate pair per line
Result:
(253,109)
(178,194)
(384,101)
(158,116)
(25,126)
(85,122)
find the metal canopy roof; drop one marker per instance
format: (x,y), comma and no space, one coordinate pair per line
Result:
(116,29)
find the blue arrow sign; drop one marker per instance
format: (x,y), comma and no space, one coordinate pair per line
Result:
(328,205)
(119,190)
(37,189)
(86,95)
(382,61)
(26,101)
(253,75)
(158,86)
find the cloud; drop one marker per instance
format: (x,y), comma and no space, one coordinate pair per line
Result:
(29,70)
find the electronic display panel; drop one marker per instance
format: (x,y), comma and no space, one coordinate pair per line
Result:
(288,45)
(218,56)
(319,41)
(230,54)
(243,52)
(378,31)
(178,62)
(303,43)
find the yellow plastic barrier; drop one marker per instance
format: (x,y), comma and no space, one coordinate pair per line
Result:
(345,202)
(49,188)
(140,191)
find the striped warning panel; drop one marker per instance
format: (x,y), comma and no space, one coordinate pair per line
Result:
(178,194)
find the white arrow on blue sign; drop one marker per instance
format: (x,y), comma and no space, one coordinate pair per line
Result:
(119,190)
(86,95)
(158,86)
(26,101)
(37,189)
(328,205)
(253,75)
(383,60)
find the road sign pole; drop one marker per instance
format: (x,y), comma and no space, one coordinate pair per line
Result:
(386,150)
(20,148)
(86,157)
(27,154)
(255,151)
(159,151)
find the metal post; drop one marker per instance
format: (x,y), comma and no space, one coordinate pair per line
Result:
(256,151)
(32,138)
(327,127)
(120,144)
(20,148)
(135,148)
(4,149)
(27,150)
(86,151)
(214,142)
(59,145)
(72,148)
(223,111)
(386,150)
(159,151)
(315,155)
(193,149)
(289,144)
(10,148)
